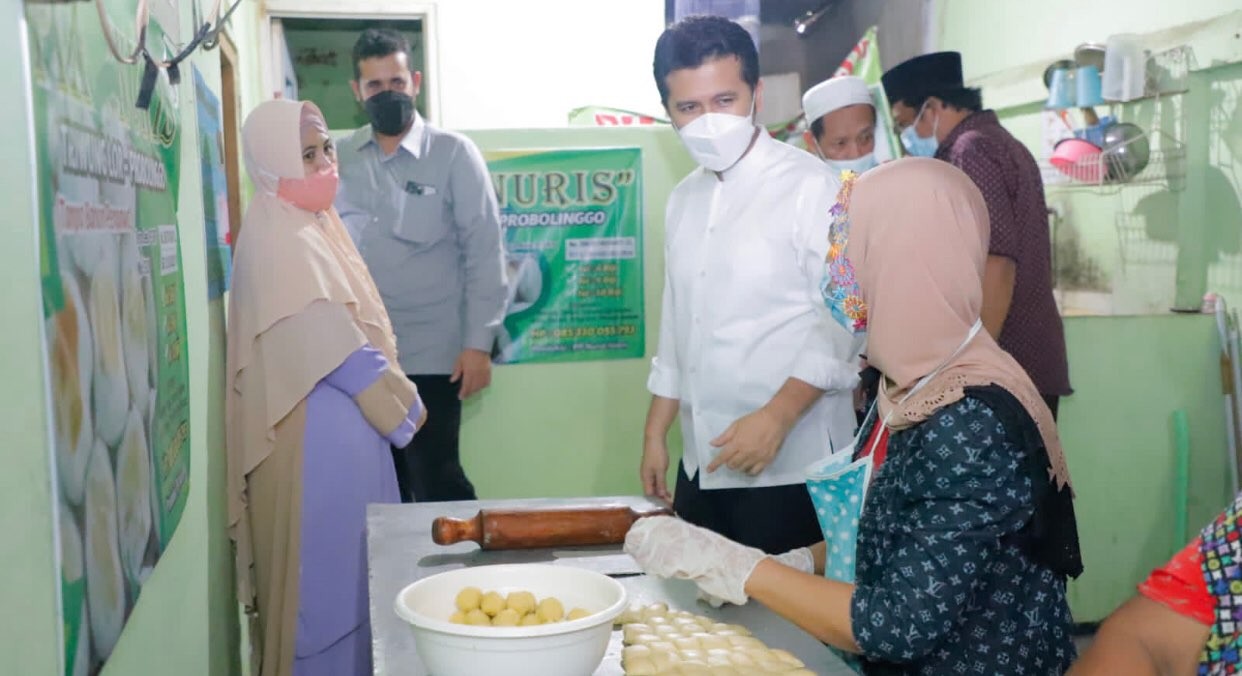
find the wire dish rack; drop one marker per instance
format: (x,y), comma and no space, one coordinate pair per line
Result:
(1117,166)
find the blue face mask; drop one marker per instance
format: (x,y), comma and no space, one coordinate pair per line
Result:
(920,146)
(857,165)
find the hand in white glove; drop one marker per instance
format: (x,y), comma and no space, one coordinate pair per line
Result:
(798,559)
(666,546)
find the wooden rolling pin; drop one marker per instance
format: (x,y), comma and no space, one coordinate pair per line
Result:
(541,528)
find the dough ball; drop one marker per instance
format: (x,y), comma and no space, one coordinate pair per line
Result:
(737,629)
(551,610)
(530,620)
(718,660)
(632,651)
(705,622)
(630,632)
(686,623)
(656,620)
(632,613)
(468,599)
(687,643)
(458,618)
(521,602)
(800,672)
(666,630)
(479,618)
(710,641)
(724,670)
(786,657)
(662,647)
(507,618)
(745,642)
(693,668)
(646,639)
(578,614)
(641,667)
(492,603)
(741,658)
(692,656)
(665,658)
(654,610)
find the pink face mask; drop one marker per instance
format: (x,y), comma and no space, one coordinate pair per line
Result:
(313,193)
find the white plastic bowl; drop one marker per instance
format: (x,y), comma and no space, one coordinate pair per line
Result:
(570,648)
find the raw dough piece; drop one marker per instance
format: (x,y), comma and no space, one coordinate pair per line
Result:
(709,641)
(468,599)
(523,602)
(478,618)
(577,614)
(718,660)
(662,647)
(664,658)
(631,632)
(746,642)
(507,618)
(687,643)
(632,613)
(787,657)
(800,672)
(741,658)
(735,628)
(551,610)
(458,618)
(492,603)
(667,630)
(724,670)
(694,668)
(691,656)
(641,667)
(646,639)
(635,651)
(530,620)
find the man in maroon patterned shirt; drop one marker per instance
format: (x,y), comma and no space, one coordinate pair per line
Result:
(940,117)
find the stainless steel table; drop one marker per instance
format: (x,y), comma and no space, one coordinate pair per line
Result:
(400,551)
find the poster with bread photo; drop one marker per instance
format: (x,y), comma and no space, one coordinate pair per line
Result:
(114,327)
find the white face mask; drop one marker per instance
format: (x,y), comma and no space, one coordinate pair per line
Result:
(718,140)
(857,165)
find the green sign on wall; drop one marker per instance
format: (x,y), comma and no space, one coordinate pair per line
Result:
(574,243)
(114,307)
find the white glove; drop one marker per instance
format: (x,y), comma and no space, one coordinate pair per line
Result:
(798,559)
(666,546)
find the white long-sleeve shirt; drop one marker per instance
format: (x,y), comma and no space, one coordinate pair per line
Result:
(743,312)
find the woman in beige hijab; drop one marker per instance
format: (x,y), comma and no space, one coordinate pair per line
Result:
(967,531)
(313,405)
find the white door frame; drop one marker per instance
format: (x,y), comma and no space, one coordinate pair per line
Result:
(386,10)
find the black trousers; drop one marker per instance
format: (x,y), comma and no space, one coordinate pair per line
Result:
(775,519)
(429,469)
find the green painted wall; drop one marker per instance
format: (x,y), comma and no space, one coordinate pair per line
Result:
(1167,248)
(27,634)
(575,429)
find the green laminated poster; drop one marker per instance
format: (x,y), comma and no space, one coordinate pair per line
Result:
(114,316)
(573,230)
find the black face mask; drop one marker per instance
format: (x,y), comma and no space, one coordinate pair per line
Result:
(390,112)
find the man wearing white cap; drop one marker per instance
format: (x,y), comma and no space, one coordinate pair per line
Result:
(842,119)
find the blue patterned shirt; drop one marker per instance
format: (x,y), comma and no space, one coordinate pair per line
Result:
(943,584)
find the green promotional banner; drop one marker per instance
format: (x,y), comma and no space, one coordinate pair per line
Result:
(573,232)
(114,308)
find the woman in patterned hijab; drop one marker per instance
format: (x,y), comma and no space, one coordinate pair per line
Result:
(967,534)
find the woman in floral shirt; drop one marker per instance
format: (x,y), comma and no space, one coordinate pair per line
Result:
(968,532)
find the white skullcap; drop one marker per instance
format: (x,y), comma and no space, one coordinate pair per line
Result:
(833,94)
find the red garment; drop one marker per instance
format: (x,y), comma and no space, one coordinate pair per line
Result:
(1180,586)
(881,448)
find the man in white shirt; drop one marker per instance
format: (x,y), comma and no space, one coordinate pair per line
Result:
(749,357)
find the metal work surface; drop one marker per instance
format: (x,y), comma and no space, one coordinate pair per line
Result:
(400,551)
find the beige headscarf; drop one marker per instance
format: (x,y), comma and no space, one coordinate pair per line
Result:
(292,270)
(918,241)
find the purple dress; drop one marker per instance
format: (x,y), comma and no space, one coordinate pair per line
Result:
(347,465)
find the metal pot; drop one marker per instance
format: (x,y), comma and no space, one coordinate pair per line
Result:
(1127,151)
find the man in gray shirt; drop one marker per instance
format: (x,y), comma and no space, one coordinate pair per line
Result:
(420,206)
